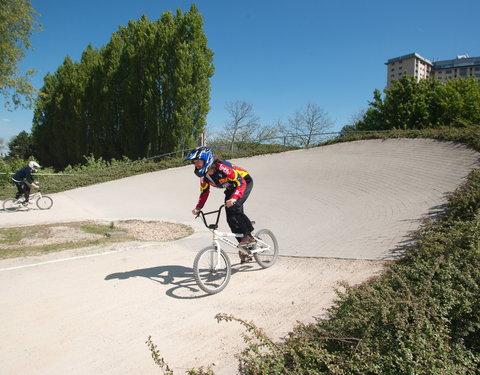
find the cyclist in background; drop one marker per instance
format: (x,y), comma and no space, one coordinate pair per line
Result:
(237,183)
(23,180)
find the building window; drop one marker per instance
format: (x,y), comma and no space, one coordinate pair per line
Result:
(448,71)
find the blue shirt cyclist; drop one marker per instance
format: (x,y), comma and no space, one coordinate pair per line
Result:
(24,181)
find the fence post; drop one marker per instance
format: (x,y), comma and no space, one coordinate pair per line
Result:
(201,139)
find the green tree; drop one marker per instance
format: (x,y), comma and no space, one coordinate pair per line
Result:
(21,146)
(58,130)
(191,78)
(412,104)
(91,79)
(17,24)
(459,102)
(43,130)
(146,92)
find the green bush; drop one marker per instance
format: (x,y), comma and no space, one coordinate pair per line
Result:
(468,136)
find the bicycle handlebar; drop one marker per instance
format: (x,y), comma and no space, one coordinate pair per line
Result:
(203,214)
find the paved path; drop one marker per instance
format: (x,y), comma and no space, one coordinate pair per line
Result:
(89,311)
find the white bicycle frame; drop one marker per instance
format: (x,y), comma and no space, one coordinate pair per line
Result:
(31,197)
(219,236)
(223,236)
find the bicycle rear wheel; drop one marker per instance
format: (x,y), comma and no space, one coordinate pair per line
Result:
(266,240)
(44,202)
(212,270)
(10,205)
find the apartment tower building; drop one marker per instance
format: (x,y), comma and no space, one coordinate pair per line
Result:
(419,67)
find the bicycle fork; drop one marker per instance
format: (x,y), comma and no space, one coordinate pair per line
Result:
(215,259)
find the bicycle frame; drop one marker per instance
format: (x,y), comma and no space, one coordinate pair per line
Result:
(212,268)
(223,236)
(31,197)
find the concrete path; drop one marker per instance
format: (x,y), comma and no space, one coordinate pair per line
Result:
(89,311)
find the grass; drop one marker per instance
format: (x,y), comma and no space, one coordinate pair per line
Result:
(94,228)
(10,236)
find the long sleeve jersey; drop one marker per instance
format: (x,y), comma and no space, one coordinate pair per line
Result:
(226,176)
(24,173)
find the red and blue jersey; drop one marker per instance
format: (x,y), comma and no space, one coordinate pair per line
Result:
(225,176)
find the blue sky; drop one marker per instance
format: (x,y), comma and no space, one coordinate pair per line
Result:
(278,55)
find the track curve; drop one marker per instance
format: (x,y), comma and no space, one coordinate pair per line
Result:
(357,200)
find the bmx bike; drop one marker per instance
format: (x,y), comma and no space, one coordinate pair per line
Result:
(212,268)
(43,202)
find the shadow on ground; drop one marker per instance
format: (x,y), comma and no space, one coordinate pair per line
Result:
(181,278)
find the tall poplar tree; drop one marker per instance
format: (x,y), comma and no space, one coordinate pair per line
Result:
(145,93)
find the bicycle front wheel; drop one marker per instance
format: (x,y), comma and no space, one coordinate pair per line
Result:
(212,270)
(44,202)
(268,256)
(10,205)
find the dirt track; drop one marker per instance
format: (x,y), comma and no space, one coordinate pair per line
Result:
(91,310)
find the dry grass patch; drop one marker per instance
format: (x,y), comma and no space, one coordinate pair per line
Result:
(34,240)
(155,231)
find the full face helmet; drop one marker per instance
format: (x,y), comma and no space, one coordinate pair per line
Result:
(33,165)
(205,154)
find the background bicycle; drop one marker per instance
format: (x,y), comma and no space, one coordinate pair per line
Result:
(43,202)
(212,268)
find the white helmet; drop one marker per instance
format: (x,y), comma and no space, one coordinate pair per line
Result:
(33,165)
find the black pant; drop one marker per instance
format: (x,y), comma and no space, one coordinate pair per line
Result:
(22,188)
(236,219)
